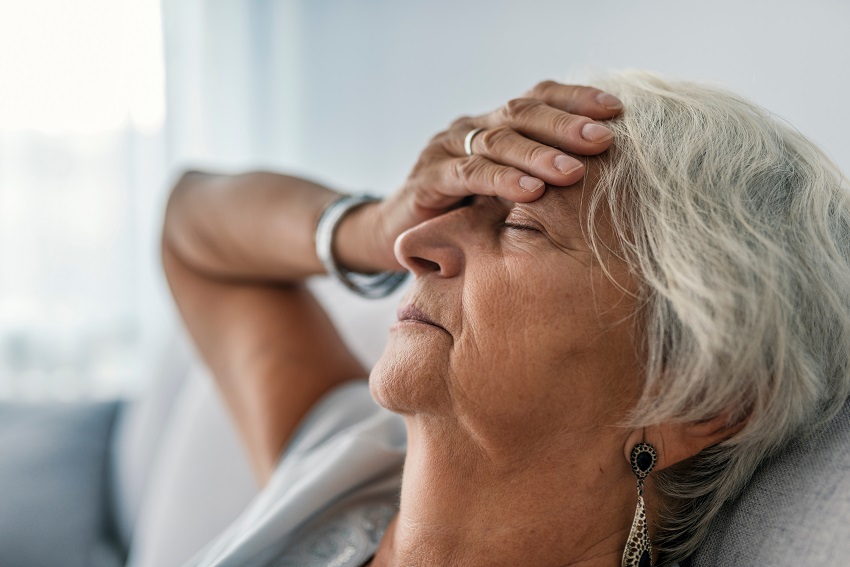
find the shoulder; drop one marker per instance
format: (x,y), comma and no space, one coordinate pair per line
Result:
(342,469)
(345,411)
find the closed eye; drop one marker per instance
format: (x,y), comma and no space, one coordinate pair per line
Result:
(515,226)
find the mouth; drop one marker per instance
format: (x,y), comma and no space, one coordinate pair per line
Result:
(414,315)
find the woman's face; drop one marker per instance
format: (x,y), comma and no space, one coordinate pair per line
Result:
(511,327)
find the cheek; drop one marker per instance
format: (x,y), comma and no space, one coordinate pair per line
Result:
(537,352)
(515,339)
(523,319)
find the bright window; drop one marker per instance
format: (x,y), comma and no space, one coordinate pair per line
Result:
(81,115)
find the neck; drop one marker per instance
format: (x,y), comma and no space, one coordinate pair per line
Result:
(464,503)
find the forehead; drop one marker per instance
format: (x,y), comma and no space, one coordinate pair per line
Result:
(573,201)
(566,210)
(563,201)
(562,209)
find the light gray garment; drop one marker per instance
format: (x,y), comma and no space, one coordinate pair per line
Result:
(795,511)
(331,496)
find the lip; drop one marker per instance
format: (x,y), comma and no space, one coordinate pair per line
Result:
(413,314)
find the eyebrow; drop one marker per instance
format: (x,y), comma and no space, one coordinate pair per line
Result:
(546,204)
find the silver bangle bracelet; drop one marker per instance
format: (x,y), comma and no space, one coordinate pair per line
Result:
(372,286)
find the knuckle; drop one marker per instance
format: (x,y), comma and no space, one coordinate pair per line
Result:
(466,169)
(564,123)
(419,167)
(538,154)
(543,88)
(440,140)
(492,138)
(575,95)
(500,177)
(461,122)
(515,108)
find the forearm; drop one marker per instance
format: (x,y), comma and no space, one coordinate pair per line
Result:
(258,227)
(271,349)
(234,249)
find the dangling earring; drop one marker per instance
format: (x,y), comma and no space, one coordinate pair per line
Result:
(638,551)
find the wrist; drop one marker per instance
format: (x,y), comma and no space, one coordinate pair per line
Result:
(360,244)
(355,250)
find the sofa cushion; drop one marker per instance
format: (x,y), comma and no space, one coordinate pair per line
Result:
(795,511)
(53,481)
(200,482)
(141,428)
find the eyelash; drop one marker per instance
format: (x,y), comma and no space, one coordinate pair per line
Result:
(518,226)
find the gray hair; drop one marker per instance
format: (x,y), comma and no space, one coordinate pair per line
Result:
(738,228)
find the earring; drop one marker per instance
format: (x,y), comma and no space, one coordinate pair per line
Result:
(638,551)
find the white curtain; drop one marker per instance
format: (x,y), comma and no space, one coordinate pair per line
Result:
(233,83)
(82,160)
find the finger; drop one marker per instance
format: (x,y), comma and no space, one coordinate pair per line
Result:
(548,125)
(461,177)
(576,99)
(505,146)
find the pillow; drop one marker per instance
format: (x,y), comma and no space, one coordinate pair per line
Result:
(53,482)
(795,511)
(140,430)
(200,479)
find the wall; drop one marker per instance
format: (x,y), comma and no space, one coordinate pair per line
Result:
(379,77)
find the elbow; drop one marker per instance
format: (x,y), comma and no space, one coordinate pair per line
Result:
(176,206)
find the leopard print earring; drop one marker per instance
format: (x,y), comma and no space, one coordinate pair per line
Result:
(638,551)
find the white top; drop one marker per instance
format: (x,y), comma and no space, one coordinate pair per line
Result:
(332,495)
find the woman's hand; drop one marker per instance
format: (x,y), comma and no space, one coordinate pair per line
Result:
(523,146)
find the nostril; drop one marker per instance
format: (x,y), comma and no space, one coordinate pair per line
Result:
(418,263)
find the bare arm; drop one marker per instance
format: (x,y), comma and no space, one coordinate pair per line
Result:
(236,251)
(255,227)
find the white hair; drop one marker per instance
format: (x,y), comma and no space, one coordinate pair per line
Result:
(739,229)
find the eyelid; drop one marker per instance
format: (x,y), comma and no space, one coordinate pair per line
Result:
(520,219)
(515,226)
(517,219)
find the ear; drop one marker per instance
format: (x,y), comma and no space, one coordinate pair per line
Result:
(676,442)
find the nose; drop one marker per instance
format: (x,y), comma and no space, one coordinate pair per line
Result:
(433,247)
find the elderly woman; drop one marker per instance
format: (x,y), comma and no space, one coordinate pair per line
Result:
(595,352)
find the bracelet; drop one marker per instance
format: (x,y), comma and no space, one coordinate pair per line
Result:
(372,286)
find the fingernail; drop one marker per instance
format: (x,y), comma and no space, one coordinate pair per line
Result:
(595,133)
(566,164)
(529,183)
(609,101)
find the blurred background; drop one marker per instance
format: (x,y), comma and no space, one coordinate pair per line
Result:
(103,102)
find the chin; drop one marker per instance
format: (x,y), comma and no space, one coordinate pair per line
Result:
(408,377)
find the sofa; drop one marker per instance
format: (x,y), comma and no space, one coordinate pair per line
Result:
(149,481)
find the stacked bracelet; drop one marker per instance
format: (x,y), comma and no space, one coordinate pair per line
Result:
(372,286)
